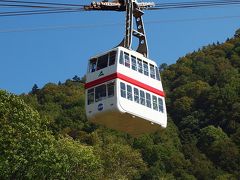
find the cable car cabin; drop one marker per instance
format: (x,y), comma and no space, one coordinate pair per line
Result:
(124,92)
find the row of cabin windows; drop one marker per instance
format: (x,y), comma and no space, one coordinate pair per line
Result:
(139,65)
(100,92)
(141,97)
(129,61)
(102,61)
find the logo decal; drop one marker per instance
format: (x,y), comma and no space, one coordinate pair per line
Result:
(100,74)
(100,107)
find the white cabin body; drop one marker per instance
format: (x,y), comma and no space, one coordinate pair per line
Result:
(124,92)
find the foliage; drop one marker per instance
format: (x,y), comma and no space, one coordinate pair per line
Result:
(204,92)
(29,151)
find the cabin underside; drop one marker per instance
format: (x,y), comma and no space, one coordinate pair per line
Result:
(126,122)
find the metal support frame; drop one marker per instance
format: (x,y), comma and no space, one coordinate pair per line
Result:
(133,10)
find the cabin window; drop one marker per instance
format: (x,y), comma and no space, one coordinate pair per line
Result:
(100,92)
(145,68)
(140,68)
(121,60)
(110,89)
(148,100)
(112,57)
(136,95)
(142,97)
(102,62)
(152,71)
(90,96)
(92,65)
(154,100)
(123,90)
(157,73)
(129,92)
(160,104)
(127,60)
(134,63)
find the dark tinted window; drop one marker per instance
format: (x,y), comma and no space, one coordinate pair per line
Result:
(121,60)
(142,97)
(112,57)
(127,60)
(139,64)
(148,100)
(123,90)
(152,71)
(160,104)
(136,95)
(100,92)
(129,92)
(157,73)
(145,68)
(154,100)
(110,89)
(102,62)
(134,63)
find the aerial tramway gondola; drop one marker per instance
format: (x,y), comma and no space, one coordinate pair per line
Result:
(123,87)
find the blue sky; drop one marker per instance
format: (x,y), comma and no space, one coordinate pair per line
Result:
(51,55)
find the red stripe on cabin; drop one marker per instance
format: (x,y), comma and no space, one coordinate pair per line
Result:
(101,80)
(140,84)
(124,78)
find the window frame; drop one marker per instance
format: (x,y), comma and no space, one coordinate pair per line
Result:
(112,58)
(111,85)
(148,100)
(100,98)
(88,95)
(127,60)
(152,71)
(140,65)
(155,103)
(157,74)
(123,90)
(129,92)
(160,105)
(145,68)
(136,95)
(134,63)
(142,98)
(91,68)
(99,62)
(121,57)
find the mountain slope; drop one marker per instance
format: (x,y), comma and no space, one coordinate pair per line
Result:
(204,101)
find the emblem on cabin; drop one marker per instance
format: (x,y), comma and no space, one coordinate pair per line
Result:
(100,107)
(100,74)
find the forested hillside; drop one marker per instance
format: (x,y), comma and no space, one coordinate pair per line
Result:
(45,134)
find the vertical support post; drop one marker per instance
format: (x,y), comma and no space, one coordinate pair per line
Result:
(127,40)
(132,10)
(129,24)
(140,32)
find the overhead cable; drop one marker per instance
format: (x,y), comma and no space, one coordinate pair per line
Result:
(42,3)
(50,7)
(80,26)
(194,4)
(25,13)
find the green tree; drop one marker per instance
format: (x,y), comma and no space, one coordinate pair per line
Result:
(162,67)
(121,162)
(29,151)
(35,89)
(220,149)
(237,33)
